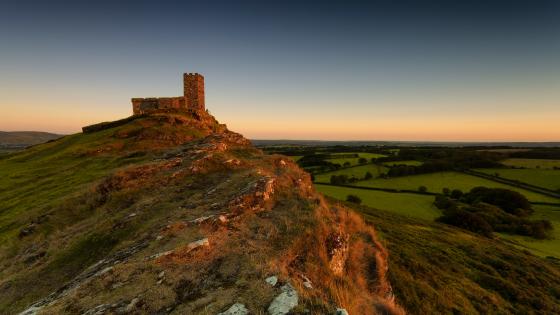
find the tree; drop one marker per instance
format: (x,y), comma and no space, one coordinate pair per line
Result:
(446,191)
(346,164)
(354,199)
(456,194)
(422,189)
(368,176)
(362,160)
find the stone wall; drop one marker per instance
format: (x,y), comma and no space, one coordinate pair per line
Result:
(144,105)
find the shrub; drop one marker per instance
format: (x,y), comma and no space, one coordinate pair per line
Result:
(422,189)
(368,175)
(362,160)
(446,191)
(339,179)
(354,199)
(466,220)
(510,201)
(456,194)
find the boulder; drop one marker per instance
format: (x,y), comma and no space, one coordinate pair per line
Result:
(236,309)
(283,303)
(341,311)
(272,280)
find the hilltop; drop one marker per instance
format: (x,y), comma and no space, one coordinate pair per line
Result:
(172,213)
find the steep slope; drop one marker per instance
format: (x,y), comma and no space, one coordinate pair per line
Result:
(438,269)
(171,213)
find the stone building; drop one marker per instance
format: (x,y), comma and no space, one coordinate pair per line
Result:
(192,99)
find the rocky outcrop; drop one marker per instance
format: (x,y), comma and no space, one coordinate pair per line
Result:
(236,309)
(285,302)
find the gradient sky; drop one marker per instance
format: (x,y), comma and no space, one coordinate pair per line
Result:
(344,70)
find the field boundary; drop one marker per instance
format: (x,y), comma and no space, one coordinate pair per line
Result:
(515,183)
(391,190)
(427,193)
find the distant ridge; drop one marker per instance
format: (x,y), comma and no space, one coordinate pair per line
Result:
(259,142)
(26,137)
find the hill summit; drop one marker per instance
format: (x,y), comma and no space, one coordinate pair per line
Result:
(169,212)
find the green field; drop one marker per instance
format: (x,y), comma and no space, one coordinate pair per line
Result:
(532,163)
(411,163)
(545,178)
(358,171)
(541,247)
(421,207)
(354,161)
(296,157)
(435,182)
(418,206)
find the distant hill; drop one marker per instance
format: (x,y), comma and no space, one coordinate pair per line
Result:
(26,138)
(287,142)
(11,141)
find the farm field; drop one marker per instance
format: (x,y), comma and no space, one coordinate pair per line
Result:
(358,171)
(412,205)
(411,163)
(532,163)
(545,178)
(354,161)
(421,207)
(435,182)
(541,247)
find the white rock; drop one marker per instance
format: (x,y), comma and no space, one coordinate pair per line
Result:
(283,303)
(132,305)
(306,282)
(104,271)
(236,309)
(341,311)
(161,274)
(158,255)
(199,243)
(31,311)
(272,280)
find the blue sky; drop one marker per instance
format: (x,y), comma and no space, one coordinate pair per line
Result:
(377,70)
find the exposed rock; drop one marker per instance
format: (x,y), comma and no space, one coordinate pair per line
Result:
(272,280)
(341,311)
(307,282)
(283,303)
(104,271)
(33,310)
(337,250)
(158,255)
(132,305)
(236,309)
(199,243)
(202,219)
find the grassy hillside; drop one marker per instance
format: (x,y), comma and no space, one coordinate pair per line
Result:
(171,213)
(436,269)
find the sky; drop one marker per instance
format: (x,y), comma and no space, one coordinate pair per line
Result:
(341,70)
